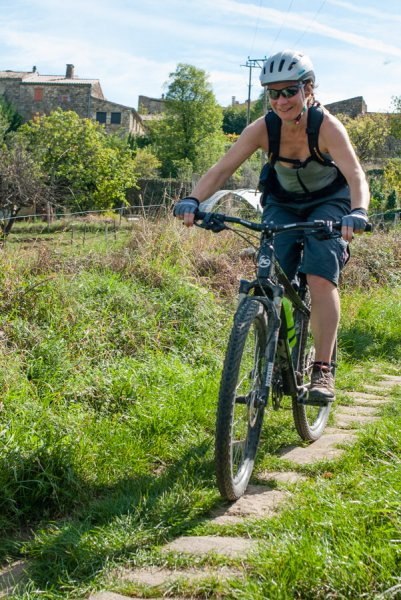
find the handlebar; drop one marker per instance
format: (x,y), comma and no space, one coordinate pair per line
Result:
(216,222)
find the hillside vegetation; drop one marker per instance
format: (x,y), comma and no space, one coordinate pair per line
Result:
(109,366)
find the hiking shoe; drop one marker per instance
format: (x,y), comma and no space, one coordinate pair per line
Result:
(321,388)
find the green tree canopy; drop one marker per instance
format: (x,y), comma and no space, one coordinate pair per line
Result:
(234,119)
(191,127)
(369,134)
(395,120)
(10,120)
(87,169)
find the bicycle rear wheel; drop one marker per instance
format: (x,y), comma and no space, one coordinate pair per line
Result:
(310,421)
(240,412)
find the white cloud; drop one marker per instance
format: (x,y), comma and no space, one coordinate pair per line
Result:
(368,11)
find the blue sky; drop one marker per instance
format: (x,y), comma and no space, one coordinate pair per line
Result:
(132,45)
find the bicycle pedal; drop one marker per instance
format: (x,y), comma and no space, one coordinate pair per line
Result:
(241,400)
(305,401)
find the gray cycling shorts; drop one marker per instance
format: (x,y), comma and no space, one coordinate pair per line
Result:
(324,258)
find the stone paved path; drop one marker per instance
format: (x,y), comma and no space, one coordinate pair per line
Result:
(262,501)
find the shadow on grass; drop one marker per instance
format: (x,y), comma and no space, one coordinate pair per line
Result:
(115,523)
(120,520)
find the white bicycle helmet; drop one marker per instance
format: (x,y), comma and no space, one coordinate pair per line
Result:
(287,65)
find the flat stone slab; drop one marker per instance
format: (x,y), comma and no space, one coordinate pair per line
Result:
(109,596)
(201,545)
(10,576)
(282,476)
(332,430)
(351,420)
(396,379)
(159,576)
(258,501)
(325,447)
(364,399)
(380,386)
(357,410)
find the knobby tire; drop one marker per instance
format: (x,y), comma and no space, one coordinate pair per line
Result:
(239,415)
(310,421)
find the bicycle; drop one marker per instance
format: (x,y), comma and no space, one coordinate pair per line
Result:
(270,349)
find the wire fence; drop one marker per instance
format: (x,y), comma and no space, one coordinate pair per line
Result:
(82,227)
(78,227)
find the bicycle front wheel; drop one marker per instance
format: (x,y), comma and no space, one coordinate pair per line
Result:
(310,421)
(240,411)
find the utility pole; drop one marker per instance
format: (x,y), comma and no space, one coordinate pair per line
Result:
(251,63)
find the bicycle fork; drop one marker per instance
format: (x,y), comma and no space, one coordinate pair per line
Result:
(272,308)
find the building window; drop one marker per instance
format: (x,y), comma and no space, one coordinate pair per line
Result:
(38,94)
(115,118)
(101,117)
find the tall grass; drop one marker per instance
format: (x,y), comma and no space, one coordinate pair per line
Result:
(109,368)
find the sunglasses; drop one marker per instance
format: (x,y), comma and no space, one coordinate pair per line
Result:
(287,92)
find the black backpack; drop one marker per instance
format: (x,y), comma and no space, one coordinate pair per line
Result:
(268,182)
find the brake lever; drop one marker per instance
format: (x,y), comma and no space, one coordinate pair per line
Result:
(212,222)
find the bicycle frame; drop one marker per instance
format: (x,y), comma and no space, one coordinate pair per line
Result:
(271,294)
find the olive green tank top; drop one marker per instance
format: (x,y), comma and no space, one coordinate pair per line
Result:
(314,176)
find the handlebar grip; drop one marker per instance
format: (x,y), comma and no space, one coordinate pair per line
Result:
(368,228)
(199,215)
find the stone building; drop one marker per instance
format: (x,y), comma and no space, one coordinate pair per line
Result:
(31,93)
(353,107)
(150,106)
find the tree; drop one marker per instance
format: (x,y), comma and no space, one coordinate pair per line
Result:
(191,126)
(395,118)
(369,134)
(234,119)
(21,184)
(260,106)
(10,120)
(392,175)
(146,164)
(87,169)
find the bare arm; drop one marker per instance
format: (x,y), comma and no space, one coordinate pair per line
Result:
(334,138)
(253,137)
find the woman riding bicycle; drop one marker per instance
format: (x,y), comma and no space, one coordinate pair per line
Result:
(305,183)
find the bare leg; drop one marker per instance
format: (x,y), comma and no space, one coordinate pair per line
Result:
(325,315)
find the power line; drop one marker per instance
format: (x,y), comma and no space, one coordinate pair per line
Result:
(310,24)
(257,25)
(281,26)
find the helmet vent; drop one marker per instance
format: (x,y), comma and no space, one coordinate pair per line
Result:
(292,65)
(282,63)
(271,66)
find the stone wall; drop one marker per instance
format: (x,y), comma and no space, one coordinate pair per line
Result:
(130,121)
(11,91)
(74,97)
(351,107)
(150,106)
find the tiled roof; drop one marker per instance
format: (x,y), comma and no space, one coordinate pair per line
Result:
(57,79)
(14,74)
(34,77)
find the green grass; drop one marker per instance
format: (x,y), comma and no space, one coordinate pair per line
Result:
(110,360)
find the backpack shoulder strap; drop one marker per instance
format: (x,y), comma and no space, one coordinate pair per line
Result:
(315,119)
(273,126)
